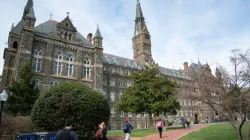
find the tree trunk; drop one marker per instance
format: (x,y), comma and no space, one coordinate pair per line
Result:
(248,137)
(150,120)
(240,134)
(239,130)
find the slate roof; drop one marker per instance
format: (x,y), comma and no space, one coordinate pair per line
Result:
(31,13)
(18,28)
(50,26)
(97,33)
(129,63)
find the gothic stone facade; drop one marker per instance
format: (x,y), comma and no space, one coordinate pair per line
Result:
(59,53)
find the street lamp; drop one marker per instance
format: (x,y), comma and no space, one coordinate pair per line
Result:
(3,98)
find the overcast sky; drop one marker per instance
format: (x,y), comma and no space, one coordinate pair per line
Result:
(181,30)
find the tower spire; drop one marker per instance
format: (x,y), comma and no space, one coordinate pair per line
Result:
(139,19)
(28,10)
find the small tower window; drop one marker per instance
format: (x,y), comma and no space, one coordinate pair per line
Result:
(70,36)
(67,24)
(65,35)
(29,23)
(61,34)
(15,45)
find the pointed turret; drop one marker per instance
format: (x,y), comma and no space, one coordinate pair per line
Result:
(199,63)
(98,38)
(29,17)
(12,26)
(98,33)
(139,19)
(217,73)
(28,10)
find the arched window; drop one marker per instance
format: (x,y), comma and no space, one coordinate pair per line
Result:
(65,35)
(70,36)
(29,23)
(58,63)
(37,60)
(61,34)
(69,66)
(15,44)
(86,69)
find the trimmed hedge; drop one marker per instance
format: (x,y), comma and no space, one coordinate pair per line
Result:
(86,106)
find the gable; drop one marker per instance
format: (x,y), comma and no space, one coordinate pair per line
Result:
(67,24)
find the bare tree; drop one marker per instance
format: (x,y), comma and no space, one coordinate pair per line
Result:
(226,92)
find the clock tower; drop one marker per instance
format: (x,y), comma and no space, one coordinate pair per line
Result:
(141,39)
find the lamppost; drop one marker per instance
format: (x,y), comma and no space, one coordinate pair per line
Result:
(3,98)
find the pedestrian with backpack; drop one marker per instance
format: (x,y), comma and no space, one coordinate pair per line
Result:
(127,129)
(159,126)
(67,133)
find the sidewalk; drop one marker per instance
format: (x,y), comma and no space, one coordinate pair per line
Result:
(167,135)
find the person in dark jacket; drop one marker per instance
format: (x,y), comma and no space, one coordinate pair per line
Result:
(127,129)
(66,133)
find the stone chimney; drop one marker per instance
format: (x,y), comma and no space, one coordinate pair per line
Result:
(89,37)
(185,66)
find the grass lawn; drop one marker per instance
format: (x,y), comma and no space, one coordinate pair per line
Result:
(223,131)
(138,133)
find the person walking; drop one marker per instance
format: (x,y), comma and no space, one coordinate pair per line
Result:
(183,122)
(127,129)
(98,133)
(159,126)
(104,131)
(66,133)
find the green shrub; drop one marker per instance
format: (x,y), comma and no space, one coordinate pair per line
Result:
(86,106)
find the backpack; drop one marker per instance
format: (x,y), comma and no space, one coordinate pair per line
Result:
(66,135)
(126,128)
(159,123)
(98,134)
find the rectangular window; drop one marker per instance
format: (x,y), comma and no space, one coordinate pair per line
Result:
(36,64)
(138,115)
(129,114)
(112,96)
(112,112)
(58,68)
(112,83)
(128,84)
(120,94)
(121,84)
(69,69)
(122,114)
(86,69)
(86,72)
(185,103)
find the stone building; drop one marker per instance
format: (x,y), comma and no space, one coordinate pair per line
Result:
(59,53)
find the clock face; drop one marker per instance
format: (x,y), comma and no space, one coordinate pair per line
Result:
(147,36)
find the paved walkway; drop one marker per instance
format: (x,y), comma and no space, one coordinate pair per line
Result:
(166,135)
